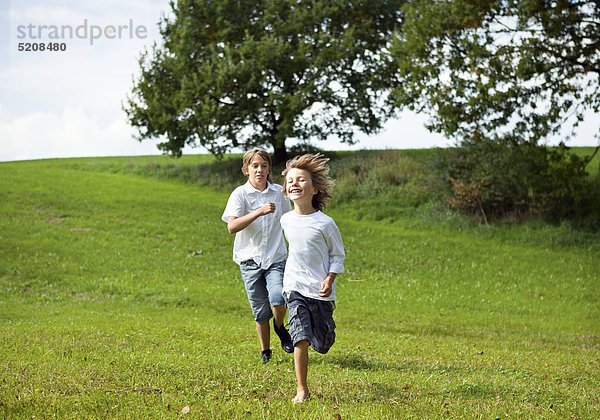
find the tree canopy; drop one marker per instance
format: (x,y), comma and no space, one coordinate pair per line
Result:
(236,73)
(500,69)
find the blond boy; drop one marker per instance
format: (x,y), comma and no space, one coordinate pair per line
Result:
(316,256)
(252,213)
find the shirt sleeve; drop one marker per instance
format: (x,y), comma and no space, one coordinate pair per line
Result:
(336,249)
(234,207)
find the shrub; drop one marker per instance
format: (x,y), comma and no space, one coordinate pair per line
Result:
(381,184)
(515,180)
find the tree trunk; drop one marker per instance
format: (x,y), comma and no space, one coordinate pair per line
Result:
(281,155)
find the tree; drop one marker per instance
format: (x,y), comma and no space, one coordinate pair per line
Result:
(234,73)
(500,69)
(499,76)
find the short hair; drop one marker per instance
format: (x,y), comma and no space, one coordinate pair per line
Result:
(249,155)
(315,165)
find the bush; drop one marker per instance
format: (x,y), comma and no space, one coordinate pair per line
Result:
(381,184)
(509,179)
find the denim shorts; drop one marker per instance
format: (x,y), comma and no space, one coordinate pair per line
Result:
(312,320)
(263,288)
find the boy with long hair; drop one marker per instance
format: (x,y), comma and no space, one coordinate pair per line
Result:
(316,256)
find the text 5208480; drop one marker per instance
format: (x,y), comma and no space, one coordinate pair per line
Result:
(41,46)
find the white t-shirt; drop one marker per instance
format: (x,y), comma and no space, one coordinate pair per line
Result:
(315,250)
(262,240)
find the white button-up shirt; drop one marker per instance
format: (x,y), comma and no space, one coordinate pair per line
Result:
(262,240)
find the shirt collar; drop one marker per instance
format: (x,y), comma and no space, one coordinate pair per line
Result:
(250,189)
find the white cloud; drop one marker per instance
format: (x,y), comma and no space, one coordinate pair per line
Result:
(406,132)
(98,38)
(70,133)
(70,11)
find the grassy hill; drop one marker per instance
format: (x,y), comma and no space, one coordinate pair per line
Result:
(119,299)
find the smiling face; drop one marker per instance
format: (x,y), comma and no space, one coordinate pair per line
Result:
(258,169)
(299,187)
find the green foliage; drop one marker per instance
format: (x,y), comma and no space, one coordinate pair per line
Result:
(381,184)
(499,179)
(499,76)
(234,73)
(500,69)
(393,184)
(119,299)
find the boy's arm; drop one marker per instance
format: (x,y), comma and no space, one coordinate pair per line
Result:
(336,249)
(336,259)
(236,224)
(327,285)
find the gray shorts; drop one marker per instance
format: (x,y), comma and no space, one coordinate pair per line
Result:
(263,288)
(312,320)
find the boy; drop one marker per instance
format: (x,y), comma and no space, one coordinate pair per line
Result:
(316,256)
(252,213)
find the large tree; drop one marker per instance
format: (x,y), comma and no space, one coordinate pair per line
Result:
(234,73)
(507,70)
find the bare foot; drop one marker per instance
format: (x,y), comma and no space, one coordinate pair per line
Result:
(300,397)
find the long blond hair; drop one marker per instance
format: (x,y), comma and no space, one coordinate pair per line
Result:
(315,165)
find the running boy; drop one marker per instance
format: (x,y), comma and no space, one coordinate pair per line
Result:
(316,256)
(252,213)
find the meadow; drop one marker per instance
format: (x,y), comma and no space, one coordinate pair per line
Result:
(119,299)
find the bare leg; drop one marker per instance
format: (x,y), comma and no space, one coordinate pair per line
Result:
(279,314)
(301,364)
(264,335)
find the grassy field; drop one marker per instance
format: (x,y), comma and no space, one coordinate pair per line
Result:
(119,299)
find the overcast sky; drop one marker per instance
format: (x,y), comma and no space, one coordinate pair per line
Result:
(69,103)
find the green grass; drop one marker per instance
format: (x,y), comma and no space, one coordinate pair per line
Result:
(119,299)
(593,167)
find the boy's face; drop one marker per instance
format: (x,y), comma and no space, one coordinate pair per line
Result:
(258,169)
(299,185)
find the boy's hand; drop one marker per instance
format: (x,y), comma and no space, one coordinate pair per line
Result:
(327,285)
(266,209)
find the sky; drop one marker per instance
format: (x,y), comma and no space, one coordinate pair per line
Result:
(68,103)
